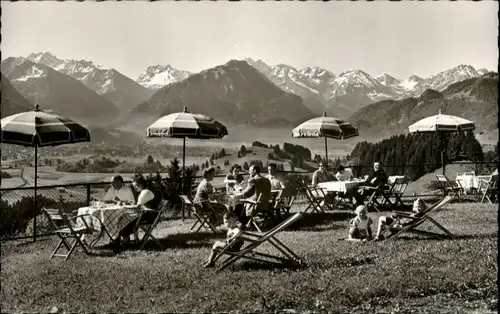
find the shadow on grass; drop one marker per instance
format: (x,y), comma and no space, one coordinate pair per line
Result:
(256,266)
(455,237)
(322,221)
(182,241)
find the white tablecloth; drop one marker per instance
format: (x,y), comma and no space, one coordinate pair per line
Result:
(113,217)
(340,186)
(391,179)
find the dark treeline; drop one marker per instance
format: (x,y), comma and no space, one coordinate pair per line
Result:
(422,150)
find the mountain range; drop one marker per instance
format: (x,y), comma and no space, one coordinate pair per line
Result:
(112,85)
(475,99)
(238,92)
(235,93)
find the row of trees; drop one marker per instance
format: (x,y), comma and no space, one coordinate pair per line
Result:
(421,152)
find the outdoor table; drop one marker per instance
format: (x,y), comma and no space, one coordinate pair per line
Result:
(340,186)
(391,179)
(114,217)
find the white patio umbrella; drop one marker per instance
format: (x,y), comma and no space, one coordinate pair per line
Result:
(186,125)
(327,127)
(443,124)
(38,129)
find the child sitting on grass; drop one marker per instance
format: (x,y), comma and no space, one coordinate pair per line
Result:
(384,222)
(360,226)
(233,232)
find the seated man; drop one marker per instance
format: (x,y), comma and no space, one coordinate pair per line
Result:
(377,179)
(419,208)
(343,174)
(277,182)
(119,192)
(320,175)
(258,186)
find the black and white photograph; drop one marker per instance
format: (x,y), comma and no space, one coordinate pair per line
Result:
(249,157)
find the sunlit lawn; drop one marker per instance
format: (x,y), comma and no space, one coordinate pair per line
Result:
(409,275)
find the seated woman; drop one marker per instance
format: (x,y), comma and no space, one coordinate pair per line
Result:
(147,202)
(419,208)
(118,192)
(376,180)
(230,179)
(237,207)
(204,190)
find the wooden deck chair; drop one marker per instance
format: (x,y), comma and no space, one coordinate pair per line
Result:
(70,231)
(450,187)
(396,190)
(252,240)
(148,226)
(202,217)
(489,189)
(397,229)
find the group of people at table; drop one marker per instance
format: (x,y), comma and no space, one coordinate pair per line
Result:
(258,187)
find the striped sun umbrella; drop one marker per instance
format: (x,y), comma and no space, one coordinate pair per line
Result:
(186,125)
(442,123)
(327,127)
(38,129)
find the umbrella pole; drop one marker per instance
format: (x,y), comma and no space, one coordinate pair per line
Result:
(442,161)
(183,161)
(326,153)
(35,207)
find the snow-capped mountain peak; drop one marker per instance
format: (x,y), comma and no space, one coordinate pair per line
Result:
(388,80)
(158,76)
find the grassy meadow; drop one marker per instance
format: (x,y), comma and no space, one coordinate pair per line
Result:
(404,275)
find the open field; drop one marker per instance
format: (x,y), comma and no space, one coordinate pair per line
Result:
(406,275)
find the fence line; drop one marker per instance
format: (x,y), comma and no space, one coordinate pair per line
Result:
(75,195)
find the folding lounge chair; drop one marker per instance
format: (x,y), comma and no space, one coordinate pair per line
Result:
(489,189)
(396,191)
(148,226)
(450,187)
(397,230)
(254,239)
(70,230)
(202,217)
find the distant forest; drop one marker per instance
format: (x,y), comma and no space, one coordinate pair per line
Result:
(418,154)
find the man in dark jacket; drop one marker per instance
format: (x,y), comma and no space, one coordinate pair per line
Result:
(257,186)
(376,180)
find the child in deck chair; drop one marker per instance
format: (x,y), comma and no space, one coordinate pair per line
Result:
(360,226)
(233,232)
(419,207)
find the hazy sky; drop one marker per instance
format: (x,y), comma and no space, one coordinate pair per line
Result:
(402,38)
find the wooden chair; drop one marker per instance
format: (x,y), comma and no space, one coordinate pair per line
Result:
(148,226)
(202,217)
(397,228)
(378,196)
(315,195)
(252,240)
(71,231)
(263,215)
(396,190)
(489,189)
(286,200)
(450,187)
